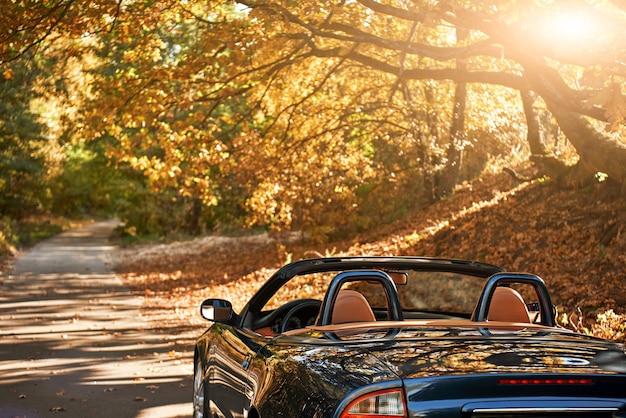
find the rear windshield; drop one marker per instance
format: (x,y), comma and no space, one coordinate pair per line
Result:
(426,291)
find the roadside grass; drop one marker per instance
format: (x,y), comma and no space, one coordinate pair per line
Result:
(16,236)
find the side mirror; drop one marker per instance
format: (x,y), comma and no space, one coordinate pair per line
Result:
(217,310)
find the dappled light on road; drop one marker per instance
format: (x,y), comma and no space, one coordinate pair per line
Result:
(73,339)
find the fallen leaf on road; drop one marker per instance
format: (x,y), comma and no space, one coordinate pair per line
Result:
(140,399)
(57,409)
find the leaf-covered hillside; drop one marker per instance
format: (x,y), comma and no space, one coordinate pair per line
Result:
(575,240)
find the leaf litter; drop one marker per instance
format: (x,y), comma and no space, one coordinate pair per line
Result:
(574,239)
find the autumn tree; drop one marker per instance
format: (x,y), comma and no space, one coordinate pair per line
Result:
(509,44)
(337,114)
(28,26)
(47,166)
(226,101)
(318,112)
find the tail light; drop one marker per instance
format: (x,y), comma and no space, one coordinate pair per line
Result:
(381,404)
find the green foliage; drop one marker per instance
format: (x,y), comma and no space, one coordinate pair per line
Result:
(7,237)
(149,215)
(88,185)
(31,232)
(16,235)
(91,185)
(22,158)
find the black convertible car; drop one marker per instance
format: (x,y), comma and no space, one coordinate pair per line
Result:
(401,337)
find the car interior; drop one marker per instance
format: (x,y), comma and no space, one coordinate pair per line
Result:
(367,301)
(351,306)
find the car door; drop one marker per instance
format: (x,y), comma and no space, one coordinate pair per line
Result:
(229,389)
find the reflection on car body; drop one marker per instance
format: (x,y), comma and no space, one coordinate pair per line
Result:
(401,337)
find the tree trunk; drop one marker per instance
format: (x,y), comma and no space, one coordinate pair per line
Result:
(603,153)
(597,150)
(534,134)
(451,174)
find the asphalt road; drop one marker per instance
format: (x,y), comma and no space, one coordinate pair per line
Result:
(73,342)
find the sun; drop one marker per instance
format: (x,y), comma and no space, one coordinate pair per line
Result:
(573,27)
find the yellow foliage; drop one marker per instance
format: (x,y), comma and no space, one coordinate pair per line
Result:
(610,325)
(318,116)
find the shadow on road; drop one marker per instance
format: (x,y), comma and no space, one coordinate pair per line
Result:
(73,342)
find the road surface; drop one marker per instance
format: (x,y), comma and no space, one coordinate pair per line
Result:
(73,342)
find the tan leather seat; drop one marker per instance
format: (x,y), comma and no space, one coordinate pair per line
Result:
(507,305)
(351,306)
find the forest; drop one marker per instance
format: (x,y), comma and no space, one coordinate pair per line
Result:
(329,118)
